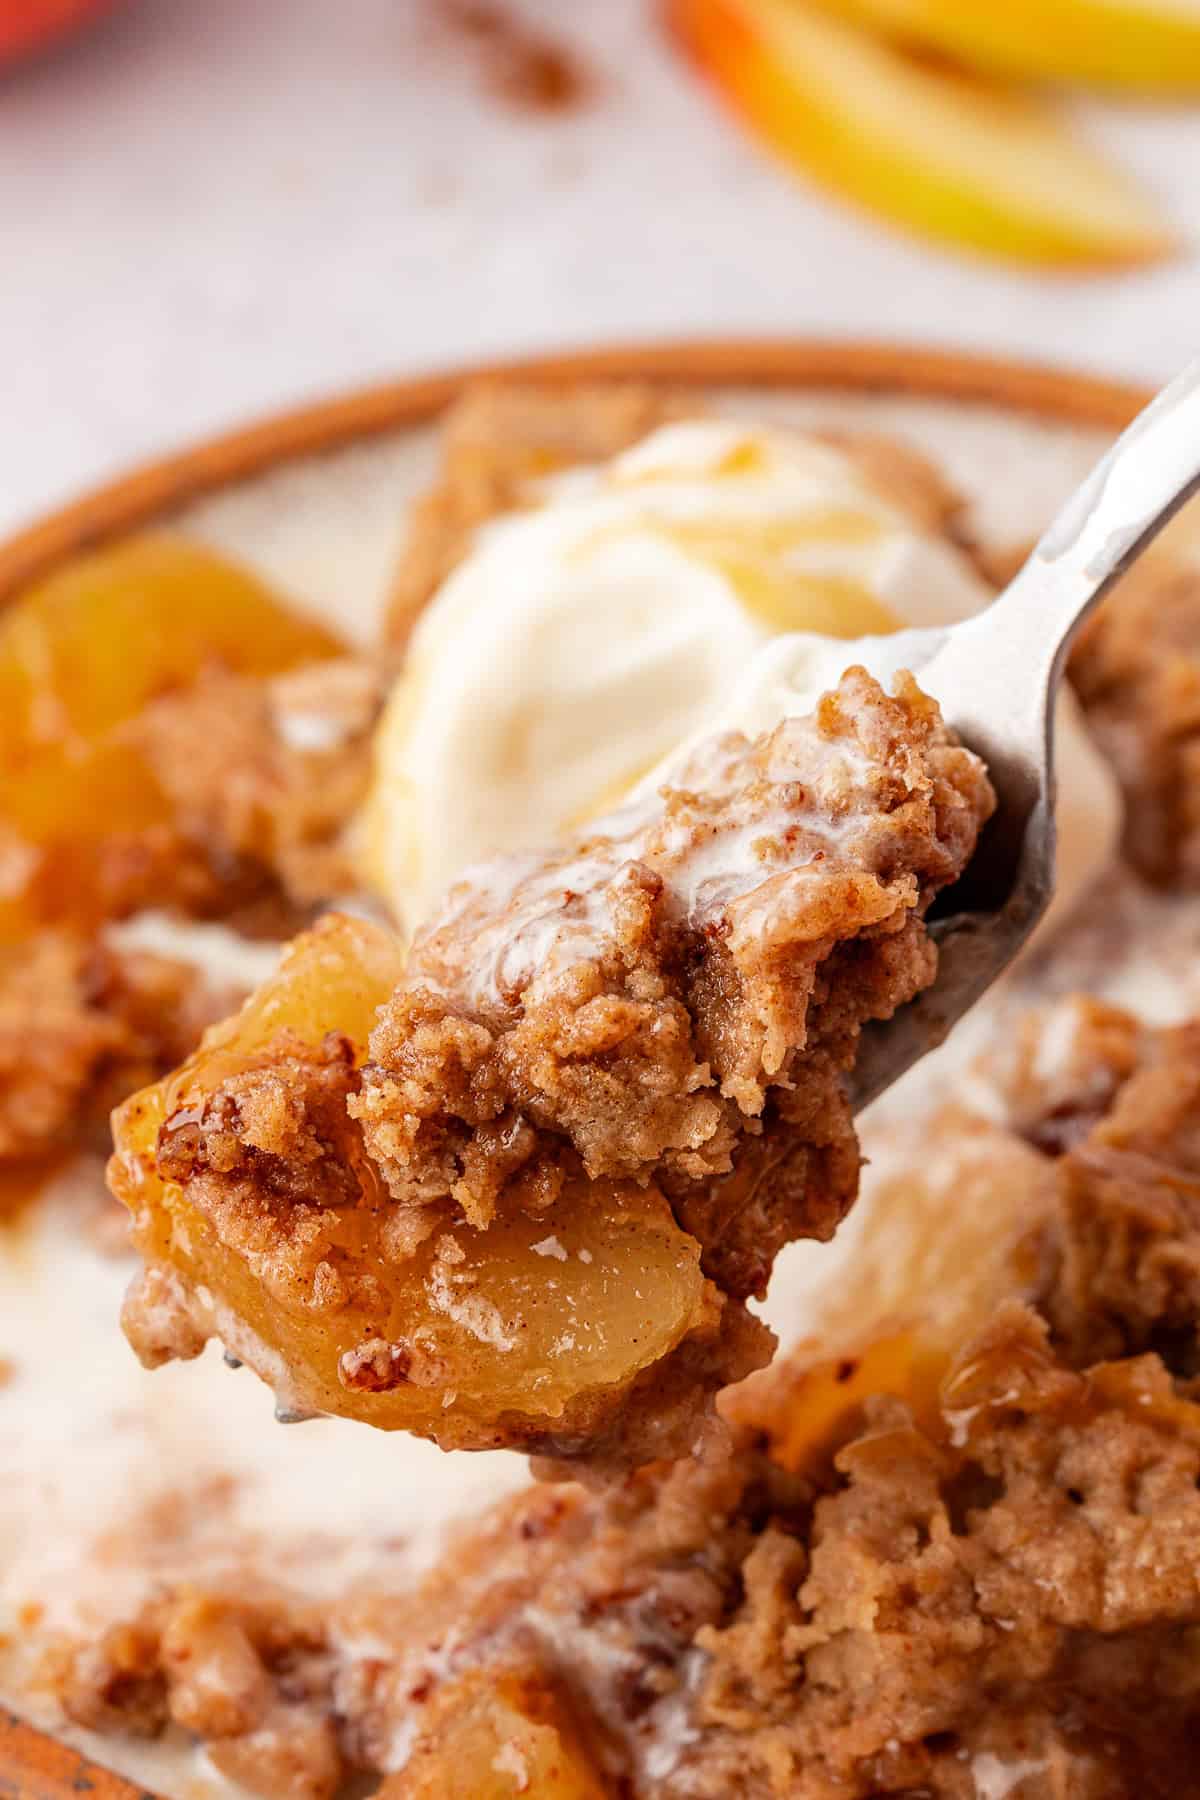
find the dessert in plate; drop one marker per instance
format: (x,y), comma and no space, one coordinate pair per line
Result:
(505,1148)
(602,1089)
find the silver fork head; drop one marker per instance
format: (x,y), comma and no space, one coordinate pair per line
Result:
(981,923)
(996,678)
(989,914)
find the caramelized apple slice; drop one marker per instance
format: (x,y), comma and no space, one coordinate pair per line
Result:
(495,1735)
(919,1290)
(82,818)
(948,155)
(532,1333)
(1116,43)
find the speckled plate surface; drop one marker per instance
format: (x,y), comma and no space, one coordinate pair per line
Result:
(316,499)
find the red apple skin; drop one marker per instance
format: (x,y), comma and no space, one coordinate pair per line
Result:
(30,25)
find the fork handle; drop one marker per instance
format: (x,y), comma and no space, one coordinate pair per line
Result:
(1134,491)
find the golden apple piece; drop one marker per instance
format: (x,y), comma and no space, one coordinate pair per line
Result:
(942,1243)
(531,1334)
(1149,45)
(81,654)
(494,1736)
(948,155)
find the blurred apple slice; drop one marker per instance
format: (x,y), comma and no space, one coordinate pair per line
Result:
(1146,44)
(948,155)
(29,25)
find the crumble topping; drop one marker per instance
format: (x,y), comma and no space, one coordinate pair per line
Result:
(268,774)
(633,1002)
(81,1023)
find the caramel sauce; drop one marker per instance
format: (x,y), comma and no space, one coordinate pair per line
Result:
(755,562)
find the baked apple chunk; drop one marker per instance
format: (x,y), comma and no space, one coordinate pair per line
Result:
(517,1189)
(88,659)
(262,1219)
(496,1737)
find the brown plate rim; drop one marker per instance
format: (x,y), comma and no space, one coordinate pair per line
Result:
(152,492)
(33,1765)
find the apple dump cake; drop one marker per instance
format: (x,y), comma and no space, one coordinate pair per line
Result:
(523,1180)
(605,1089)
(950,1542)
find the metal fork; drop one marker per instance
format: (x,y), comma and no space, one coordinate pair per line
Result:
(996,676)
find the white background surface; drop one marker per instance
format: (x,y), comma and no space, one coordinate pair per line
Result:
(212,208)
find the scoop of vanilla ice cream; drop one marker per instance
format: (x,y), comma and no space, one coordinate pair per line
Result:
(581,641)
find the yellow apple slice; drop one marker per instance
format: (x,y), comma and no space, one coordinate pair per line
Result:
(82,655)
(492,1735)
(527,1334)
(948,155)
(1144,44)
